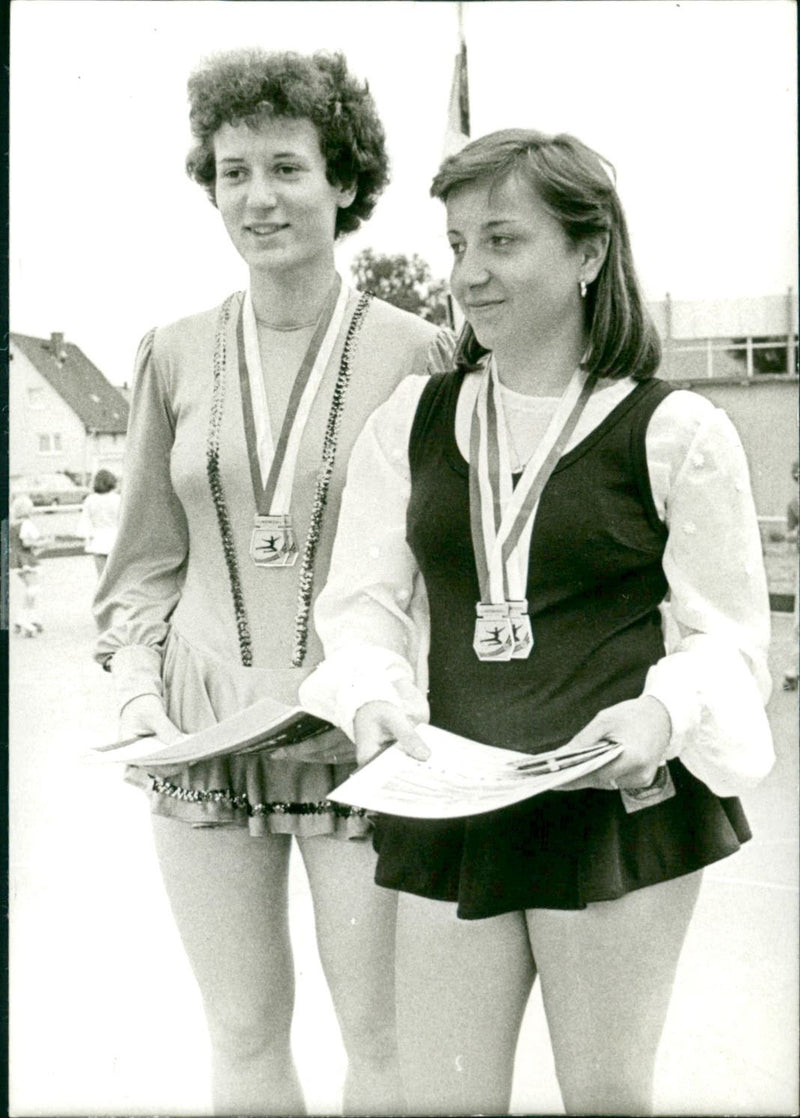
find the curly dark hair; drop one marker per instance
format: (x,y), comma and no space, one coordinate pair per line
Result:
(251,85)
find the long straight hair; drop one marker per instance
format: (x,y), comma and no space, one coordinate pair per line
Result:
(577,187)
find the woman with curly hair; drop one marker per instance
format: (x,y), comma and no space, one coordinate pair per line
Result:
(241,426)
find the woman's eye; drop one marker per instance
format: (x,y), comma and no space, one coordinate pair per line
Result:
(500,240)
(284,169)
(232,174)
(457,249)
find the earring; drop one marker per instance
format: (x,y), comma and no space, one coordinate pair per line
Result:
(582,286)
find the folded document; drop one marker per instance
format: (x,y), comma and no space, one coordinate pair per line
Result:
(283,731)
(462,777)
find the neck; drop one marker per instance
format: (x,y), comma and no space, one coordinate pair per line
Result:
(292,297)
(542,369)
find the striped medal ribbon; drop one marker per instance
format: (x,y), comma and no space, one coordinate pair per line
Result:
(273,542)
(502,514)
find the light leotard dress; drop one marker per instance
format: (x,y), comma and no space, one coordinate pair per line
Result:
(183,611)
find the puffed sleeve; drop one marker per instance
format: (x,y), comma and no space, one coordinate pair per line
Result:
(372,614)
(140,585)
(714,679)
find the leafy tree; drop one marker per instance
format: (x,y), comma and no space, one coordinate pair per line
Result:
(404,281)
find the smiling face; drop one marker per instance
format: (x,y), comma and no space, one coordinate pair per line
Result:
(273,194)
(515,272)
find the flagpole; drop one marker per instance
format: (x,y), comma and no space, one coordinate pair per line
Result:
(457,132)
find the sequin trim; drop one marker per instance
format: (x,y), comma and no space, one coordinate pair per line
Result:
(306,580)
(215,481)
(240,802)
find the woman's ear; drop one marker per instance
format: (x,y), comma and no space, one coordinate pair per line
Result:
(347,195)
(593,250)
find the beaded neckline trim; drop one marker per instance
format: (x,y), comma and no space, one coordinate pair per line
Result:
(306,577)
(215,481)
(330,443)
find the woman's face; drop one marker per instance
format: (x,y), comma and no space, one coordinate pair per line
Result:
(273,195)
(515,272)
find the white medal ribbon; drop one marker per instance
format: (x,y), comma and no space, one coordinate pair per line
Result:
(281,501)
(506,540)
(515,568)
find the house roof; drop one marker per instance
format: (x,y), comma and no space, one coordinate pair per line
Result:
(98,404)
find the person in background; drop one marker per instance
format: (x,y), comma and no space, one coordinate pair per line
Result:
(556,499)
(99,517)
(241,426)
(792,521)
(25,542)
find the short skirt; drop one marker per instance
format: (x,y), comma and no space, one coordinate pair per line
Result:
(560,850)
(253,791)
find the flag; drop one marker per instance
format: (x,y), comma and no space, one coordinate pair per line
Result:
(457,133)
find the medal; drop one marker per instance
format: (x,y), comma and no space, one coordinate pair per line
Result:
(521,630)
(273,541)
(502,515)
(494,637)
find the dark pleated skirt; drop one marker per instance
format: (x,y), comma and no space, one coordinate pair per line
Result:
(558,850)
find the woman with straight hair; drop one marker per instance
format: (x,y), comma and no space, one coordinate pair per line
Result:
(590,553)
(242,422)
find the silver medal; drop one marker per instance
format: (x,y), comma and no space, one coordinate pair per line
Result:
(494,638)
(272,543)
(521,630)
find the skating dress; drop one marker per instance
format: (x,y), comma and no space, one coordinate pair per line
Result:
(183,610)
(605,556)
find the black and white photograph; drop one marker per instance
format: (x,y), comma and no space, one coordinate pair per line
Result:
(400,571)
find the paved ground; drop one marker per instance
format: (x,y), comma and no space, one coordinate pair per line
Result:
(105,1019)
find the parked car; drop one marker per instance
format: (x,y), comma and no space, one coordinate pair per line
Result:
(49,489)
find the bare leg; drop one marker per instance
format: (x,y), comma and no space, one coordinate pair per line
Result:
(355,922)
(462,988)
(228,893)
(607,973)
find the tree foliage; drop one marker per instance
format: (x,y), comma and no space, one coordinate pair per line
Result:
(403,281)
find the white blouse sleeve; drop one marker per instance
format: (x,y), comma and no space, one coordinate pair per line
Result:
(372,614)
(714,679)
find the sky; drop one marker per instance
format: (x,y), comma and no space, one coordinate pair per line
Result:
(693,102)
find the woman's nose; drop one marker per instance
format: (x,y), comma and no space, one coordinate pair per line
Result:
(470,270)
(262,191)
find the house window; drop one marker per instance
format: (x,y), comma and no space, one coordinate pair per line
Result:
(50,444)
(36,399)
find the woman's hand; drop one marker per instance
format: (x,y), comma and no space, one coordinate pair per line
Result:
(378,724)
(145,715)
(642,727)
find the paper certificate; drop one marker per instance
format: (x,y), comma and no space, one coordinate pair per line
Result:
(462,777)
(286,732)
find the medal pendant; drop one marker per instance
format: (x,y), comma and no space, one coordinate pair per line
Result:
(521,631)
(272,543)
(494,638)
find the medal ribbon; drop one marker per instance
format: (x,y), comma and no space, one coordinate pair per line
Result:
(273,497)
(502,517)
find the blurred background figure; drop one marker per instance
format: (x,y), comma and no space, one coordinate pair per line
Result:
(25,541)
(99,517)
(792,520)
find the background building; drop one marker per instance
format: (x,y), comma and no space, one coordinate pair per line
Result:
(65,416)
(742,355)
